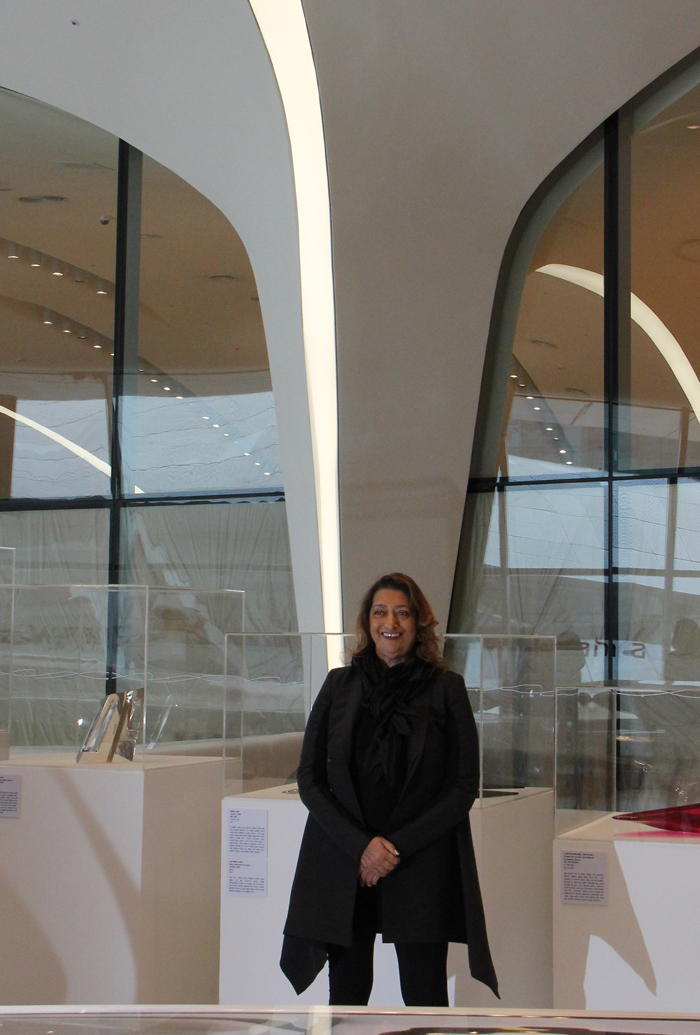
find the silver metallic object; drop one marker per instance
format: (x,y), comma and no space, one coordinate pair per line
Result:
(115,728)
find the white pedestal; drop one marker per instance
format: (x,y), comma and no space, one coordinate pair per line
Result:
(512,839)
(109,882)
(640,951)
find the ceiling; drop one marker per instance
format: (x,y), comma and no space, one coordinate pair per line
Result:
(200,316)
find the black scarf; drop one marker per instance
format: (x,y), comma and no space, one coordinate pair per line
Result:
(386,694)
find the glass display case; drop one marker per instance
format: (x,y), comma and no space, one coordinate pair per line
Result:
(626,748)
(66,648)
(7,573)
(272,680)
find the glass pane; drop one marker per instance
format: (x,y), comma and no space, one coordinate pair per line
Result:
(59,660)
(665,345)
(682,633)
(186,647)
(57,546)
(203,416)
(535,565)
(239,546)
(643,580)
(58,187)
(555,422)
(658,764)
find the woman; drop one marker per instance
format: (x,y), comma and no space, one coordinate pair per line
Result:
(389,771)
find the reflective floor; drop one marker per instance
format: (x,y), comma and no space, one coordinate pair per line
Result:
(322,1021)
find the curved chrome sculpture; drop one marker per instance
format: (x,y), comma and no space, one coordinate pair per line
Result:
(115,728)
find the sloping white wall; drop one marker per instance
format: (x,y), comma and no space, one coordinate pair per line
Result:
(191,85)
(441,118)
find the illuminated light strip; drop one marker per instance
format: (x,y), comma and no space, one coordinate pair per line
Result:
(66,442)
(284,31)
(650,323)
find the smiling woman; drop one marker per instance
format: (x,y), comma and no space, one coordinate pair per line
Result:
(389,771)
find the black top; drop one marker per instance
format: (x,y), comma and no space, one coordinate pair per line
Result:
(377,797)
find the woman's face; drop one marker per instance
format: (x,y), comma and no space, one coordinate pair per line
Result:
(392,626)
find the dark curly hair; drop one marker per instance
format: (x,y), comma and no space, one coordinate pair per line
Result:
(427,645)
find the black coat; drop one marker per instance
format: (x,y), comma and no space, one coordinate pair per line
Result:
(430,821)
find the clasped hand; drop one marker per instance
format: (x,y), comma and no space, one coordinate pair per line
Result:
(378,860)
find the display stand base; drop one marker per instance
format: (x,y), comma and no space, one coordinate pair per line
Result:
(512,839)
(109,882)
(641,949)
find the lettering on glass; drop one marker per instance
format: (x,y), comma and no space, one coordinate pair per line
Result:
(247,852)
(9,796)
(583,878)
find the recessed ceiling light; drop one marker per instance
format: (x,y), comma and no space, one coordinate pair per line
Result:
(529,397)
(568,461)
(562,450)
(223,276)
(536,407)
(267,473)
(257,464)
(154,380)
(549,429)
(97,346)
(226,434)
(166,389)
(693,125)
(215,425)
(513,375)
(520,385)
(38,199)
(178,397)
(205,418)
(66,330)
(246,454)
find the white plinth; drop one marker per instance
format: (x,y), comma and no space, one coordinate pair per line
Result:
(512,839)
(109,882)
(640,951)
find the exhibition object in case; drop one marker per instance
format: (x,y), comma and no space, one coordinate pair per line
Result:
(64,648)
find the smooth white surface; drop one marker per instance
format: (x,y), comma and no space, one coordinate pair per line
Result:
(284,30)
(197,93)
(642,950)
(512,839)
(109,883)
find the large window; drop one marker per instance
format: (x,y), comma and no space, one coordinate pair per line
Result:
(138,438)
(583,513)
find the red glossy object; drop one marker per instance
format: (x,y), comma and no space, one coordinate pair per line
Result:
(680,817)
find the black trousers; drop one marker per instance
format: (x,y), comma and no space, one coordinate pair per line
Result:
(422,970)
